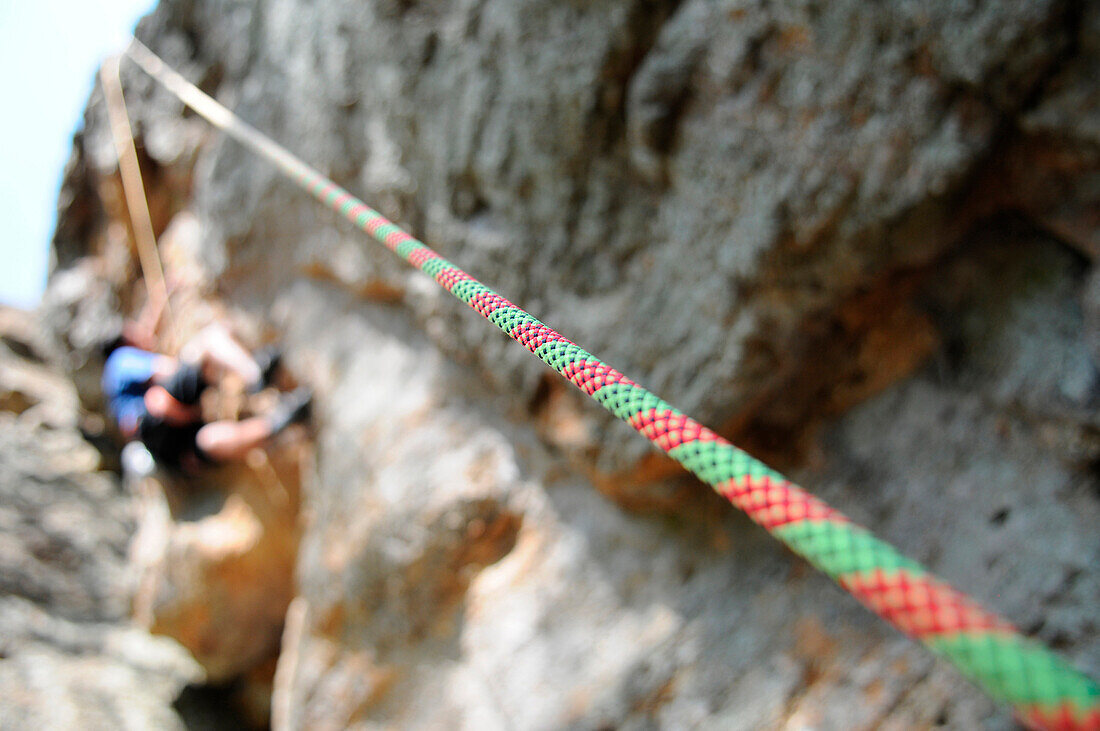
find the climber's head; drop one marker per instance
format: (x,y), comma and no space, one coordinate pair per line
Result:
(112,341)
(161,404)
(127,333)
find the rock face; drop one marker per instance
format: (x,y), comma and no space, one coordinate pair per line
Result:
(827,229)
(218,571)
(68,657)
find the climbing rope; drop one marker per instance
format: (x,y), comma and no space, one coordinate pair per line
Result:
(1044,691)
(137,204)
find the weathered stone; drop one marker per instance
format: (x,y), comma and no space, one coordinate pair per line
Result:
(787,218)
(1057,164)
(781,178)
(61,674)
(64,524)
(27,384)
(218,575)
(68,658)
(80,311)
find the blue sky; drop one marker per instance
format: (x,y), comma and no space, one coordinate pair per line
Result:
(49,54)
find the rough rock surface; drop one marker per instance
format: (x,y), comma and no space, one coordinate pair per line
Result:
(595,158)
(825,228)
(68,657)
(455,569)
(218,571)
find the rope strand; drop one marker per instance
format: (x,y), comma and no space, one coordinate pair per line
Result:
(137,204)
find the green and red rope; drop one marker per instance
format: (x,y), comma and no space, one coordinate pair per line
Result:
(1045,691)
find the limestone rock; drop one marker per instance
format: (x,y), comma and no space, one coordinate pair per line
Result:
(793,157)
(61,674)
(68,657)
(28,386)
(813,225)
(217,575)
(695,619)
(1057,165)
(80,311)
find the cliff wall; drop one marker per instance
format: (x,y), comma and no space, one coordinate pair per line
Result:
(856,238)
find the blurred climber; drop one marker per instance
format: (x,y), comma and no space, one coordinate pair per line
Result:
(155,398)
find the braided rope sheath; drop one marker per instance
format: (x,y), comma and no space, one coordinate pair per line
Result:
(1044,691)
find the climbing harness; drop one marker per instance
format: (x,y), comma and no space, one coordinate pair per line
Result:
(1045,691)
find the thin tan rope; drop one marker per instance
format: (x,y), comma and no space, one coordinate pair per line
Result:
(137,203)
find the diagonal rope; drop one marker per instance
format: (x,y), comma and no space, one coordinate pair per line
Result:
(1044,690)
(137,204)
